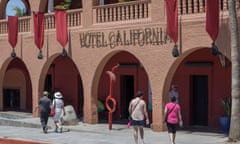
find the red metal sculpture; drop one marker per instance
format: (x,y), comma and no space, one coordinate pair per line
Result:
(110,99)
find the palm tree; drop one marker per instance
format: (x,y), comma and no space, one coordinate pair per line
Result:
(234,133)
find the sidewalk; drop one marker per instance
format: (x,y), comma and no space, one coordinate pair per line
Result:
(99,134)
(29,128)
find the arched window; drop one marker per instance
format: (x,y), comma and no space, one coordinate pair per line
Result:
(15,8)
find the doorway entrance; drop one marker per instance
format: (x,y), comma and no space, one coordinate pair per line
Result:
(11,99)
(127,93)
(199,100)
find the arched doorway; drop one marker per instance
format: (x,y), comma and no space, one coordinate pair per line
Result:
(130,77)
(17,87)
(62,75)
(202,81)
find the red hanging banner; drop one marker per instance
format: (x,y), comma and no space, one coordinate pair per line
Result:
(38,29)
(212,18)
(172,19)
(13,30)
(61,27)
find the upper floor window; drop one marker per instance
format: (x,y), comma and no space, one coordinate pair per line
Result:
(16,8)
(63,4)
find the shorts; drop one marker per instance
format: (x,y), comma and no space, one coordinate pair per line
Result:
(172,128)
(137,122)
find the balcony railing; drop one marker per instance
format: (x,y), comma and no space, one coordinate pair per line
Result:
(133,10)
(199,6)
(73,19)
(23,26)
(121,11)
(73,16)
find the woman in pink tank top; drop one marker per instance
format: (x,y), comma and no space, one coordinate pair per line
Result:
(172,115)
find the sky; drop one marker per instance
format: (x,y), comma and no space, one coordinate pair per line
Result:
(12,4)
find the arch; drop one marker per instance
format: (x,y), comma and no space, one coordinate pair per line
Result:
(3,4)
(130,69)
(2,74)
(194,65)
(22,5)
(61,74)
(173,69)
(27,5)
(16,80)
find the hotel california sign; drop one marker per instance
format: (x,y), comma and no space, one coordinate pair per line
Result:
(132,37)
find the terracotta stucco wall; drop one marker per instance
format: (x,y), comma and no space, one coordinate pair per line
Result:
(156,59)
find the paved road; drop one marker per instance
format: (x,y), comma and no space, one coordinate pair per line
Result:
(99,134)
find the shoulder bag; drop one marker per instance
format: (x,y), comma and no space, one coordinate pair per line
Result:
(130,117)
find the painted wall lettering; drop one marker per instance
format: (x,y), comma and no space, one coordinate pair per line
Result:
(133,37)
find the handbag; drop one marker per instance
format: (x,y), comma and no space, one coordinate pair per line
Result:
(52,112)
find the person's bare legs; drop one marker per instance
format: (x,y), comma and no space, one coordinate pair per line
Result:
(141,134)
(135,134)
(56,126)
(171,136)
(174,135)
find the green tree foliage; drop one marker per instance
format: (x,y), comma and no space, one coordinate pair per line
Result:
(19,12)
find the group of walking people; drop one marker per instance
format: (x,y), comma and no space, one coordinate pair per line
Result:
(45,105)
(139,116)
(137,111)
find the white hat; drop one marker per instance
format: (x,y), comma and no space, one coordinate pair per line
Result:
(58,95)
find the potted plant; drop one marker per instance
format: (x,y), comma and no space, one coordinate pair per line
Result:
(225,119)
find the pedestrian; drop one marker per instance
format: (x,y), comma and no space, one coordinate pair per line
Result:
(58,105)
(44,105)
(173,117)
(174,92)
(138,113)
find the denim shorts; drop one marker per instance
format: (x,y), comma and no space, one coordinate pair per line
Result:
(137,122)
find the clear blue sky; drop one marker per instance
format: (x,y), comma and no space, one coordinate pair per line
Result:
(12,4)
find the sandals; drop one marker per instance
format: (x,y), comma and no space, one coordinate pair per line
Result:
(60,130)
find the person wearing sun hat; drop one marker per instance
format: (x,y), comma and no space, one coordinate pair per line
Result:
(58,105)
